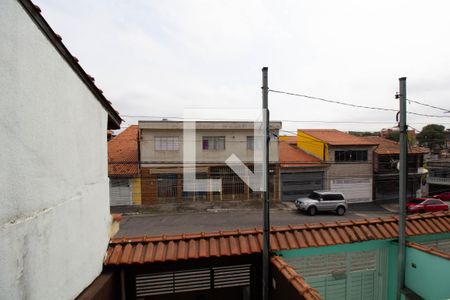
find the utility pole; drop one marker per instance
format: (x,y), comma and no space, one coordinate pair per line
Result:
(265,169)
(402,188)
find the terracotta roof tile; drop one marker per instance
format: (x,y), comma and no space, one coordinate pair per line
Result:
(290,139)
(123,154)
(430,250)
(297,281)
(237,242)
(292,156)
(337,138)
(386,146)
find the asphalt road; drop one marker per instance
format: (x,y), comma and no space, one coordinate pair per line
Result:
(155,224)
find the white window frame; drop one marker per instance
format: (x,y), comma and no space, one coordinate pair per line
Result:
(167,143)
(214,143)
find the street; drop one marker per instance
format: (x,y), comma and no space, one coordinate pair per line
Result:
(176,223)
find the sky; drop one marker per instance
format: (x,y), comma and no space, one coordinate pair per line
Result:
(155,59)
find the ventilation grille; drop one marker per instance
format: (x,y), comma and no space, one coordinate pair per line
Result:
(231,276)
(192,280)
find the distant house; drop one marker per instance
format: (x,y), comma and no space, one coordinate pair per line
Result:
(54,194)
(123,168)
(349,160)
(386,175)
(438,176)
(161,159)
(300,172)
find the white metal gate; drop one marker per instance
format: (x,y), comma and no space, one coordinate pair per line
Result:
(120,192)
(354,189)
(348,275)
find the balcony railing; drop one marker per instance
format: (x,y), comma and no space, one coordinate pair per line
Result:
(439,180)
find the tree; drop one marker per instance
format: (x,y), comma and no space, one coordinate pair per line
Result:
(393,135)
(432,136)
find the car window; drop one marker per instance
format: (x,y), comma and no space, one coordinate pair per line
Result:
(327,197)
(435,202)
(314,196)
(416,201)
(332,197)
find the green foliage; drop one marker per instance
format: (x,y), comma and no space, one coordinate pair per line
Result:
(363,133)
(432,136)
(394,136)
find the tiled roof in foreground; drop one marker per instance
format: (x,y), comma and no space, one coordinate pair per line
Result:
(429,250)
(163,248)
(297,281)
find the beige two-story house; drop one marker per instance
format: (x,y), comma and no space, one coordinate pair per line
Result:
(161,159)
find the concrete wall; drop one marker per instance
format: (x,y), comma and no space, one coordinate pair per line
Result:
(427,275)
(351,169)
(54,214)
(235,142)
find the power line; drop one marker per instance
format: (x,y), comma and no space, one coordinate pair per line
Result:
(353,105)
(428,105)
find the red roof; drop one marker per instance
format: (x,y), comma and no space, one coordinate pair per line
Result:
(386,146)
(123,154)
(291,156)
(291,139)
(429,250)
(297,281)
(335,137)
(139,250)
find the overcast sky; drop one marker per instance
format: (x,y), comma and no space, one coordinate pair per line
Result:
(156,58)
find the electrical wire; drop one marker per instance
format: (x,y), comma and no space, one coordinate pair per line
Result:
(428,105)
(353,105)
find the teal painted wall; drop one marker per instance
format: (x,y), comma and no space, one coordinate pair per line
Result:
(430,278)
(436,270)
(391,247)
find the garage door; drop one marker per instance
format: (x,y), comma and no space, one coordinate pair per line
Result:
(352,275)
(296,185)
(120,192)
(354,189)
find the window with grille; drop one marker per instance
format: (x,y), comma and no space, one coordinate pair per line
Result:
(213,143)
(350,155)
(167,143)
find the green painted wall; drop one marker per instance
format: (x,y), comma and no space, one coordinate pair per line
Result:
(362,246)
(430,278)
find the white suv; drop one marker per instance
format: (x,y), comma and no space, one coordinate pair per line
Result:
(322,201)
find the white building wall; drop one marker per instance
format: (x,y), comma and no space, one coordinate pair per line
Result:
(54,214)
(235,143)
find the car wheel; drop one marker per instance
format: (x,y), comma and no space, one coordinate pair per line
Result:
(312,210)
(340,210)
(422,211)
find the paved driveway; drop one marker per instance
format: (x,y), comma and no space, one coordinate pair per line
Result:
(139,225)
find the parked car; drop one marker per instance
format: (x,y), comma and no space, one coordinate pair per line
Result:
(422,205)
(443,196)
(322,201)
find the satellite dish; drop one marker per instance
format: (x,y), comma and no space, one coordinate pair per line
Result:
(422,171)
